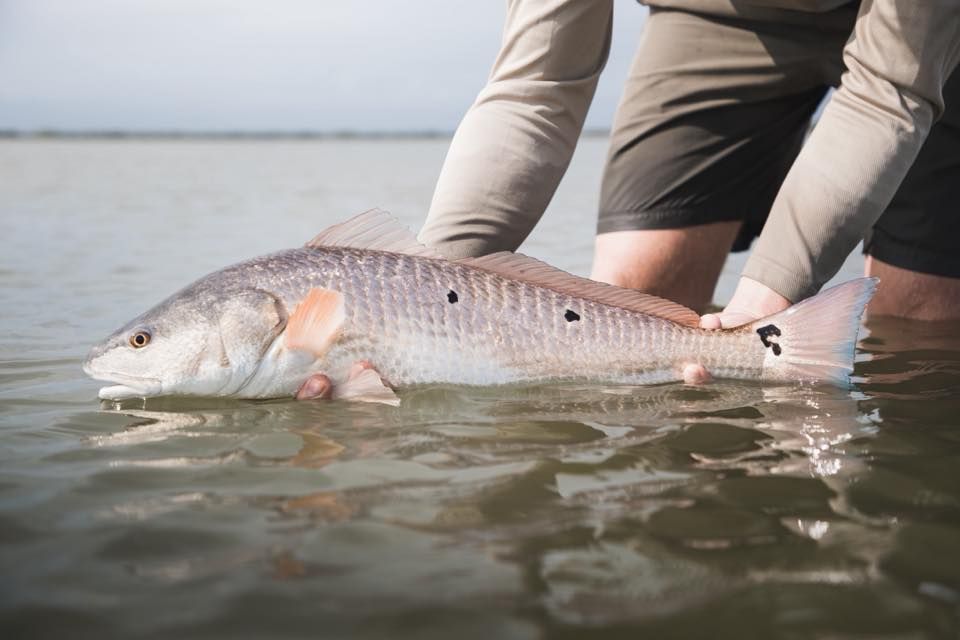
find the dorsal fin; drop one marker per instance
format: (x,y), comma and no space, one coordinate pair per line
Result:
(376,230)
(517,266)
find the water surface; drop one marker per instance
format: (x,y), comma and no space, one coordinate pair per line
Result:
(731,510)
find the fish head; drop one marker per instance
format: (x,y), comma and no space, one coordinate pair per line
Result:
(201,341)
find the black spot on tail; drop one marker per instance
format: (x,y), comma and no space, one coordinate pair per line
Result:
(452,296)
(765,333)
(571,316)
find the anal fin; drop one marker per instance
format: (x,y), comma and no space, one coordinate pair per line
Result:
(317,321)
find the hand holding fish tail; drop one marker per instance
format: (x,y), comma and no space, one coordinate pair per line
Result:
(743,309)
(751,301)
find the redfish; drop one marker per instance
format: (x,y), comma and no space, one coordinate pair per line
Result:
(367,290)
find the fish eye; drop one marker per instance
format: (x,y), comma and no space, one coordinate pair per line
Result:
(140,339)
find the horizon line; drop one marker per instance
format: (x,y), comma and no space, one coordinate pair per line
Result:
(239,134)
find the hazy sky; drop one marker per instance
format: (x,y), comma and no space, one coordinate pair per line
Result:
(318,65)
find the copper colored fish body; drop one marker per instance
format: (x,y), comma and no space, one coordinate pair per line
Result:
(365,290)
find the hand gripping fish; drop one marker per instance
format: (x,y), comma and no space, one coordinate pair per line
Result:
(367,290)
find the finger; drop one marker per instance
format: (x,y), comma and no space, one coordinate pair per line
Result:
(696,374)
(710,321)
(316,387)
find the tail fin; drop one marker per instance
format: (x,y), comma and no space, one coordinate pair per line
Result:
(815,339)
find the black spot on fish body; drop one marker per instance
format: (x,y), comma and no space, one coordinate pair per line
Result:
(765,333)
(452,296)
(571,316)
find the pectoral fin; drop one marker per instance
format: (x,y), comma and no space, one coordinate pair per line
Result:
(366,386)
(317,321)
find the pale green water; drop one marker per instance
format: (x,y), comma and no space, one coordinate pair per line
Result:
(732,510)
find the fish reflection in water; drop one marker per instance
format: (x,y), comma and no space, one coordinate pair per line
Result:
(620,502)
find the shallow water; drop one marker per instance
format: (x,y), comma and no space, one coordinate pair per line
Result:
(732,510)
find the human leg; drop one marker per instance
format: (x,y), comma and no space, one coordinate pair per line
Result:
(914,248)
(682,265)
(913,294)
(713,114)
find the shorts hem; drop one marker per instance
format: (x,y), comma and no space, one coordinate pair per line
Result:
(660,218)
(883,247)
(678,218)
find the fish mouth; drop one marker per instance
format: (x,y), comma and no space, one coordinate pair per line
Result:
(129,387)
(123,392)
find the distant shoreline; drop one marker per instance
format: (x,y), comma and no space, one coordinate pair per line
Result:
(239,135)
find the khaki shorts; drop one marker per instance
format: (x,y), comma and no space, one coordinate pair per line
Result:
(716,109)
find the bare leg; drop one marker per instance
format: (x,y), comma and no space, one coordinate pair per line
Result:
(914,295)
(682,265)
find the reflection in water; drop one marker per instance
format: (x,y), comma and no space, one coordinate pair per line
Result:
(525,510)
(617,502)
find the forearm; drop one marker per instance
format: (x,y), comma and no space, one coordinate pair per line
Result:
(515,143)
(845,176)
(863,146)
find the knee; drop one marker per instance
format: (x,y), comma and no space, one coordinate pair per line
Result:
(911,294)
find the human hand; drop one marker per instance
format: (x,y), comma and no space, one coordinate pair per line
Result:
(751,301)
(316,387)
